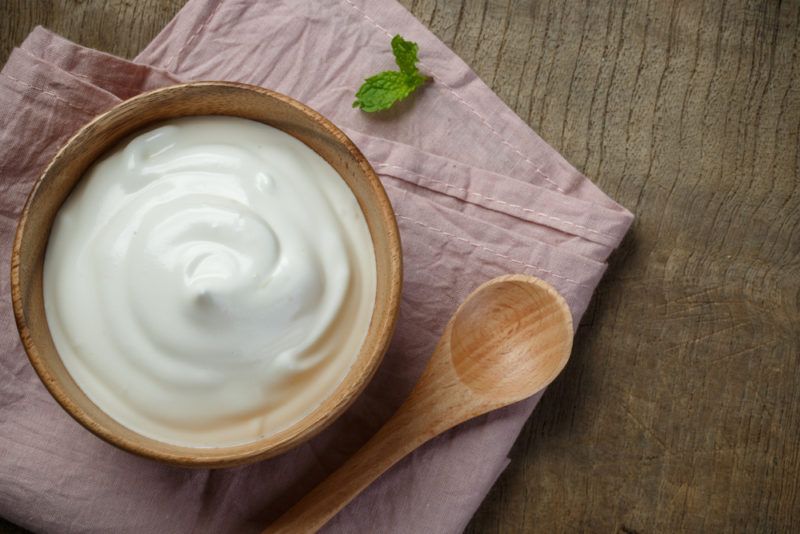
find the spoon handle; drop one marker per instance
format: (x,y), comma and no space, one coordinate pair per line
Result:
(419,419)
(437,403)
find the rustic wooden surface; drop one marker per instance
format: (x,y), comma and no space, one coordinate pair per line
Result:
(680,409)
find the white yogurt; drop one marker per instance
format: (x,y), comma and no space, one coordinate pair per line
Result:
(210,281)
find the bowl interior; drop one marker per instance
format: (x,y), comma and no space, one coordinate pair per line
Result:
(201,98)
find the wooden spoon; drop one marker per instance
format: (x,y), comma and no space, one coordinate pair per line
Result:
(507,341)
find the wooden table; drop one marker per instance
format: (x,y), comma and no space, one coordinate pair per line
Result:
(679,409)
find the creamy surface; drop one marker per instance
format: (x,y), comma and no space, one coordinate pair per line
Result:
(210,281)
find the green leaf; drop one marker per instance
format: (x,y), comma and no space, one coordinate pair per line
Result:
(381,91)
(405,55)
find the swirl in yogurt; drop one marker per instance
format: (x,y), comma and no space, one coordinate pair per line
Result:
(209,281)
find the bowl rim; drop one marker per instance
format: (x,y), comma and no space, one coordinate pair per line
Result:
(272,445)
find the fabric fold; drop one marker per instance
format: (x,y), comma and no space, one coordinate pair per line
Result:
(594,224)
(117,76)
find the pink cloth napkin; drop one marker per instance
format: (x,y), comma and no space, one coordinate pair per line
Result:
(477,194)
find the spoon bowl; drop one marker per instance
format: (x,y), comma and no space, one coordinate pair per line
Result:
(507,341)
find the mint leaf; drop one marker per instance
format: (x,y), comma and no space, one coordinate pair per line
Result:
(405,55)
(382,90)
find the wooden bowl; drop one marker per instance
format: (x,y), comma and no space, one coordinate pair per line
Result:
(103,133)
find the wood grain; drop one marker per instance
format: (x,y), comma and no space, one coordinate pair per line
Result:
(679,410)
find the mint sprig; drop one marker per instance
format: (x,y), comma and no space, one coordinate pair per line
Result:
(382,90)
